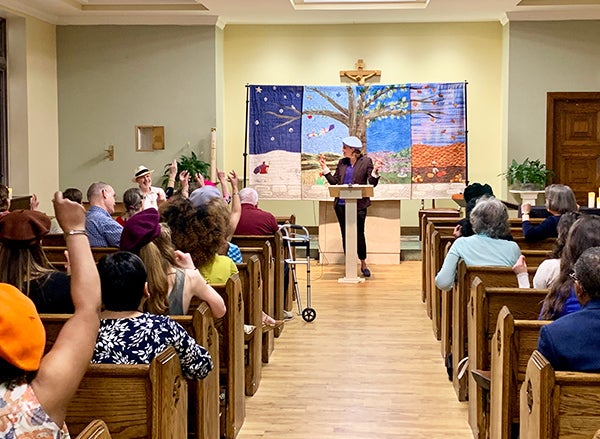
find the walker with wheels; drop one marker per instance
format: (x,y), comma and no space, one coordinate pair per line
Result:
(298,236)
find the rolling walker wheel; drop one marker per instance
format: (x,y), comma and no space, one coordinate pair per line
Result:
(309,314)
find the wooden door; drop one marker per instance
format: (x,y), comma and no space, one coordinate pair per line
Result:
(573,141)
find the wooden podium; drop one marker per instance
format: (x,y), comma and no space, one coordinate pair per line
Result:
(351,193)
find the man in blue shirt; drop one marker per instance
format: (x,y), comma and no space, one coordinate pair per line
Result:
(103,230)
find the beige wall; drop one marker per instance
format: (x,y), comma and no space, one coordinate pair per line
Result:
(33,108)
(112,78)
(308,55)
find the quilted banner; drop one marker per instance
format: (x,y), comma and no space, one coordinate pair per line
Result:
(416,130)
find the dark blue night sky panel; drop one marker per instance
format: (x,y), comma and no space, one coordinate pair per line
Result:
(275,121)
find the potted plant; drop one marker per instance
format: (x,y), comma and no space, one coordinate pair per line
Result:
(190,163)
(529,175)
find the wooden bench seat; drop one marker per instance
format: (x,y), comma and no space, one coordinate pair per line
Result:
(483,309)
(135,401)
(556,404)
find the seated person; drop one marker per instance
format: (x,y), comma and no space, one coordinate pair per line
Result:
(130,336)
(103,230)
(201,231)
(486,247)
(549,269)
(152,196)
(72,194)
(571,342)
(559,199)
(4,200)
(25,265)
(132,200)
(254,221)
(172,278)
(35,389)
(471,194)
(562,298)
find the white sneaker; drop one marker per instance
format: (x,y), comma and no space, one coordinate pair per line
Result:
(288,315)
(249,329)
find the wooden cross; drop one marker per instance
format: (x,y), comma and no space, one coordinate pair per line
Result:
(360,75)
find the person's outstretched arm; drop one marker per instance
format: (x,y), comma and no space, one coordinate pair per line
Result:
(236,204)
(62,369)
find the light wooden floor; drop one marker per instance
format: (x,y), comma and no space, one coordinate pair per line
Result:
(367,367)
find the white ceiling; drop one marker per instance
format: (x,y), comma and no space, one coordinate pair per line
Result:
(223,12)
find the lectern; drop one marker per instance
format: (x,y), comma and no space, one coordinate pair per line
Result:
(351,193)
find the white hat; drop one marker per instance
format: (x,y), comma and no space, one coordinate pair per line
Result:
(140,171)
(352,142)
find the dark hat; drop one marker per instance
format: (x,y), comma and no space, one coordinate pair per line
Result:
(22,334)
(23,228)
(476,190)
(140,229)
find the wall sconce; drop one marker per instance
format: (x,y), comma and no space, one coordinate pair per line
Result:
(110,153)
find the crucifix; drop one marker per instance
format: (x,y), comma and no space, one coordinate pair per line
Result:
(360,75)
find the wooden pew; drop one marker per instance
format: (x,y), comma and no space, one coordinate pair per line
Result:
(203,396)
(438,248)
(203,399)
(251,277)
(97,429)
(278,249)
(494,276)
(484,305)
(512,344)
(231,357)
(56,255)
(556,405)
(265,257)
(135,401)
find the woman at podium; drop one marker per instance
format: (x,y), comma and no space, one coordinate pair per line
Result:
(353,168)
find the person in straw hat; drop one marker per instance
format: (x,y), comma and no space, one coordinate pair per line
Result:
(152,195)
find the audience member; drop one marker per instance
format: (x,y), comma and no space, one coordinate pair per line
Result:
(24,264)
(562,298)
(72,194)
(172,278)
(103,230)
(4,200)
(471,194)
(130,336)
(559,199)
(254,221)
(35,389)
(132,201)
(549,268)
(571,342)
(486,247)
(199,226)
(152,196)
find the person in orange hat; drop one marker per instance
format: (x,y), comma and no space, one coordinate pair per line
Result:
(152,196)
(35,389)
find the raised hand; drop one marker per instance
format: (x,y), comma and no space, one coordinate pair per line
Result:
(70,215)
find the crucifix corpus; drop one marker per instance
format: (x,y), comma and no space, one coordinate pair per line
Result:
(360,75)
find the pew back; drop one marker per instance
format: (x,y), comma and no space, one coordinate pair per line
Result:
(557,404)
(483,309)
(135,401)
(512,344)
